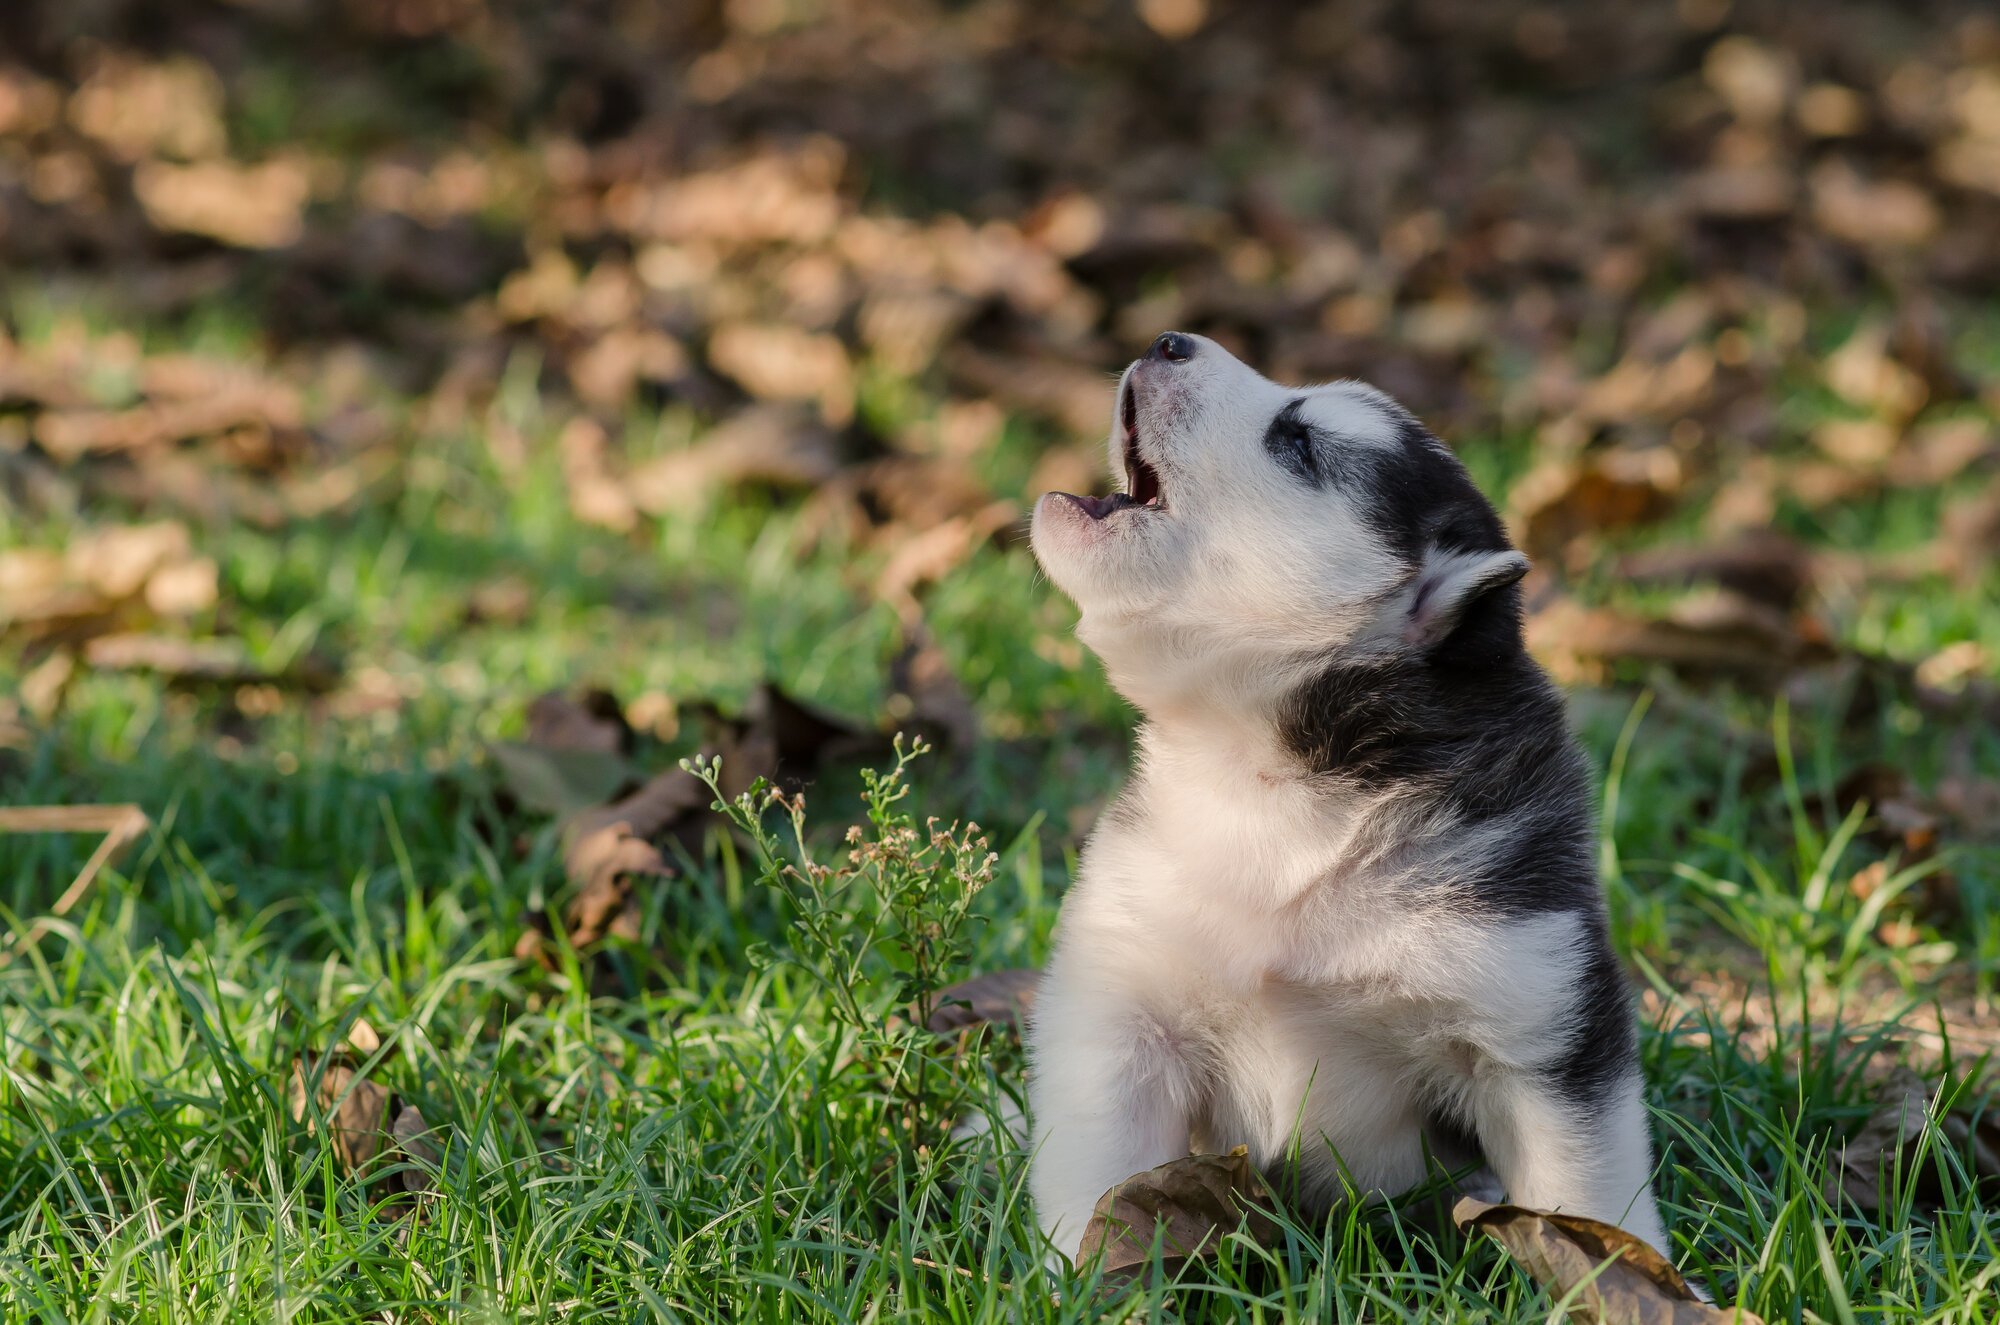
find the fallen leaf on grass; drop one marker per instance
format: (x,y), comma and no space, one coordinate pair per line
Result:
(1762,565)
(1186,1207)
(1903,820)
(253,418)
(1885,1149)
(929,555)
(1562,501)
(997,998)
(419,1141)
(121,826)
(594,722)
(767,444)
(104,575)
(573,767)
(245,206)
(354,1108)
(1568,1255)
(42,688)
(597,493)
(557,780)
(662,803)
(779,737)
(214,662)
(605,865)
(1968,540)
(1864,372)
(371,1131)
(1711,634)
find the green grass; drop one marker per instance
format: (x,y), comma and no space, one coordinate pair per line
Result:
(720,1146)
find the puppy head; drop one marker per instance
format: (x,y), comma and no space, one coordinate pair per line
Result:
(1263,527)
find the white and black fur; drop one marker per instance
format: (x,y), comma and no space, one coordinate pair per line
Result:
(1346,911)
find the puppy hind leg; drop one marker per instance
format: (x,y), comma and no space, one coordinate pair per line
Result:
(1551,1153)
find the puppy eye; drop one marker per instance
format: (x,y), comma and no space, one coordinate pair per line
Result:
(1297,438)
(1290,441)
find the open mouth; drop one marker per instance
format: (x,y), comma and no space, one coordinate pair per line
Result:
(1142,481)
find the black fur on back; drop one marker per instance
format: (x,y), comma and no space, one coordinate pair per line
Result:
(1474,726)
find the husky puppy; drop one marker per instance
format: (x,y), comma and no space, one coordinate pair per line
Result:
(1346,911)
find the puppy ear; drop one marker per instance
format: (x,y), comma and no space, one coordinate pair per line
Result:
(1450,584)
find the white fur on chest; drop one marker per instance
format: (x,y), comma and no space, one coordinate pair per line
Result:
(1297,970)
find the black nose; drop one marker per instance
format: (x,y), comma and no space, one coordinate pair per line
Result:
(1173,347)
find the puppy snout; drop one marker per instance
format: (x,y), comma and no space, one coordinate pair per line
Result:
(1172,347)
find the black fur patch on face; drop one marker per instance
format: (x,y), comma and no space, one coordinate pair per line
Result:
(1413,493)
(1294,444)
(1417,496)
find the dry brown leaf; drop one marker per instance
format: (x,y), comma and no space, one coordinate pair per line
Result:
(421,1149)
(1762,565)
(997,998)
(780,738)
(121,826)
(370,1130)
(1568,1254)
(71,434)
(664,802)
(1560,502)
(928,555)
(1968,539)
(90,584)
(1718,633)
(785,363)
(605,865)
(1176,20)
(139,108)
(183,588)
(767,444)
(1748,192)
(117,561)
(1884,1144)
(211,662)
(1076,398)
(1891,213)
(1863,372)
(1186,1207)
(597,493)
(572,767)
(260,206)
(607,372)
(1941,451)
(354,1108)
(1902,820)
(1755,80)
(362,1038)
(558,781)
(34,587)
(593,723)
(42,688)
(506,599)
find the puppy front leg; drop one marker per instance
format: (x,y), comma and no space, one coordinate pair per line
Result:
(1110,1097)
(1551,1153)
